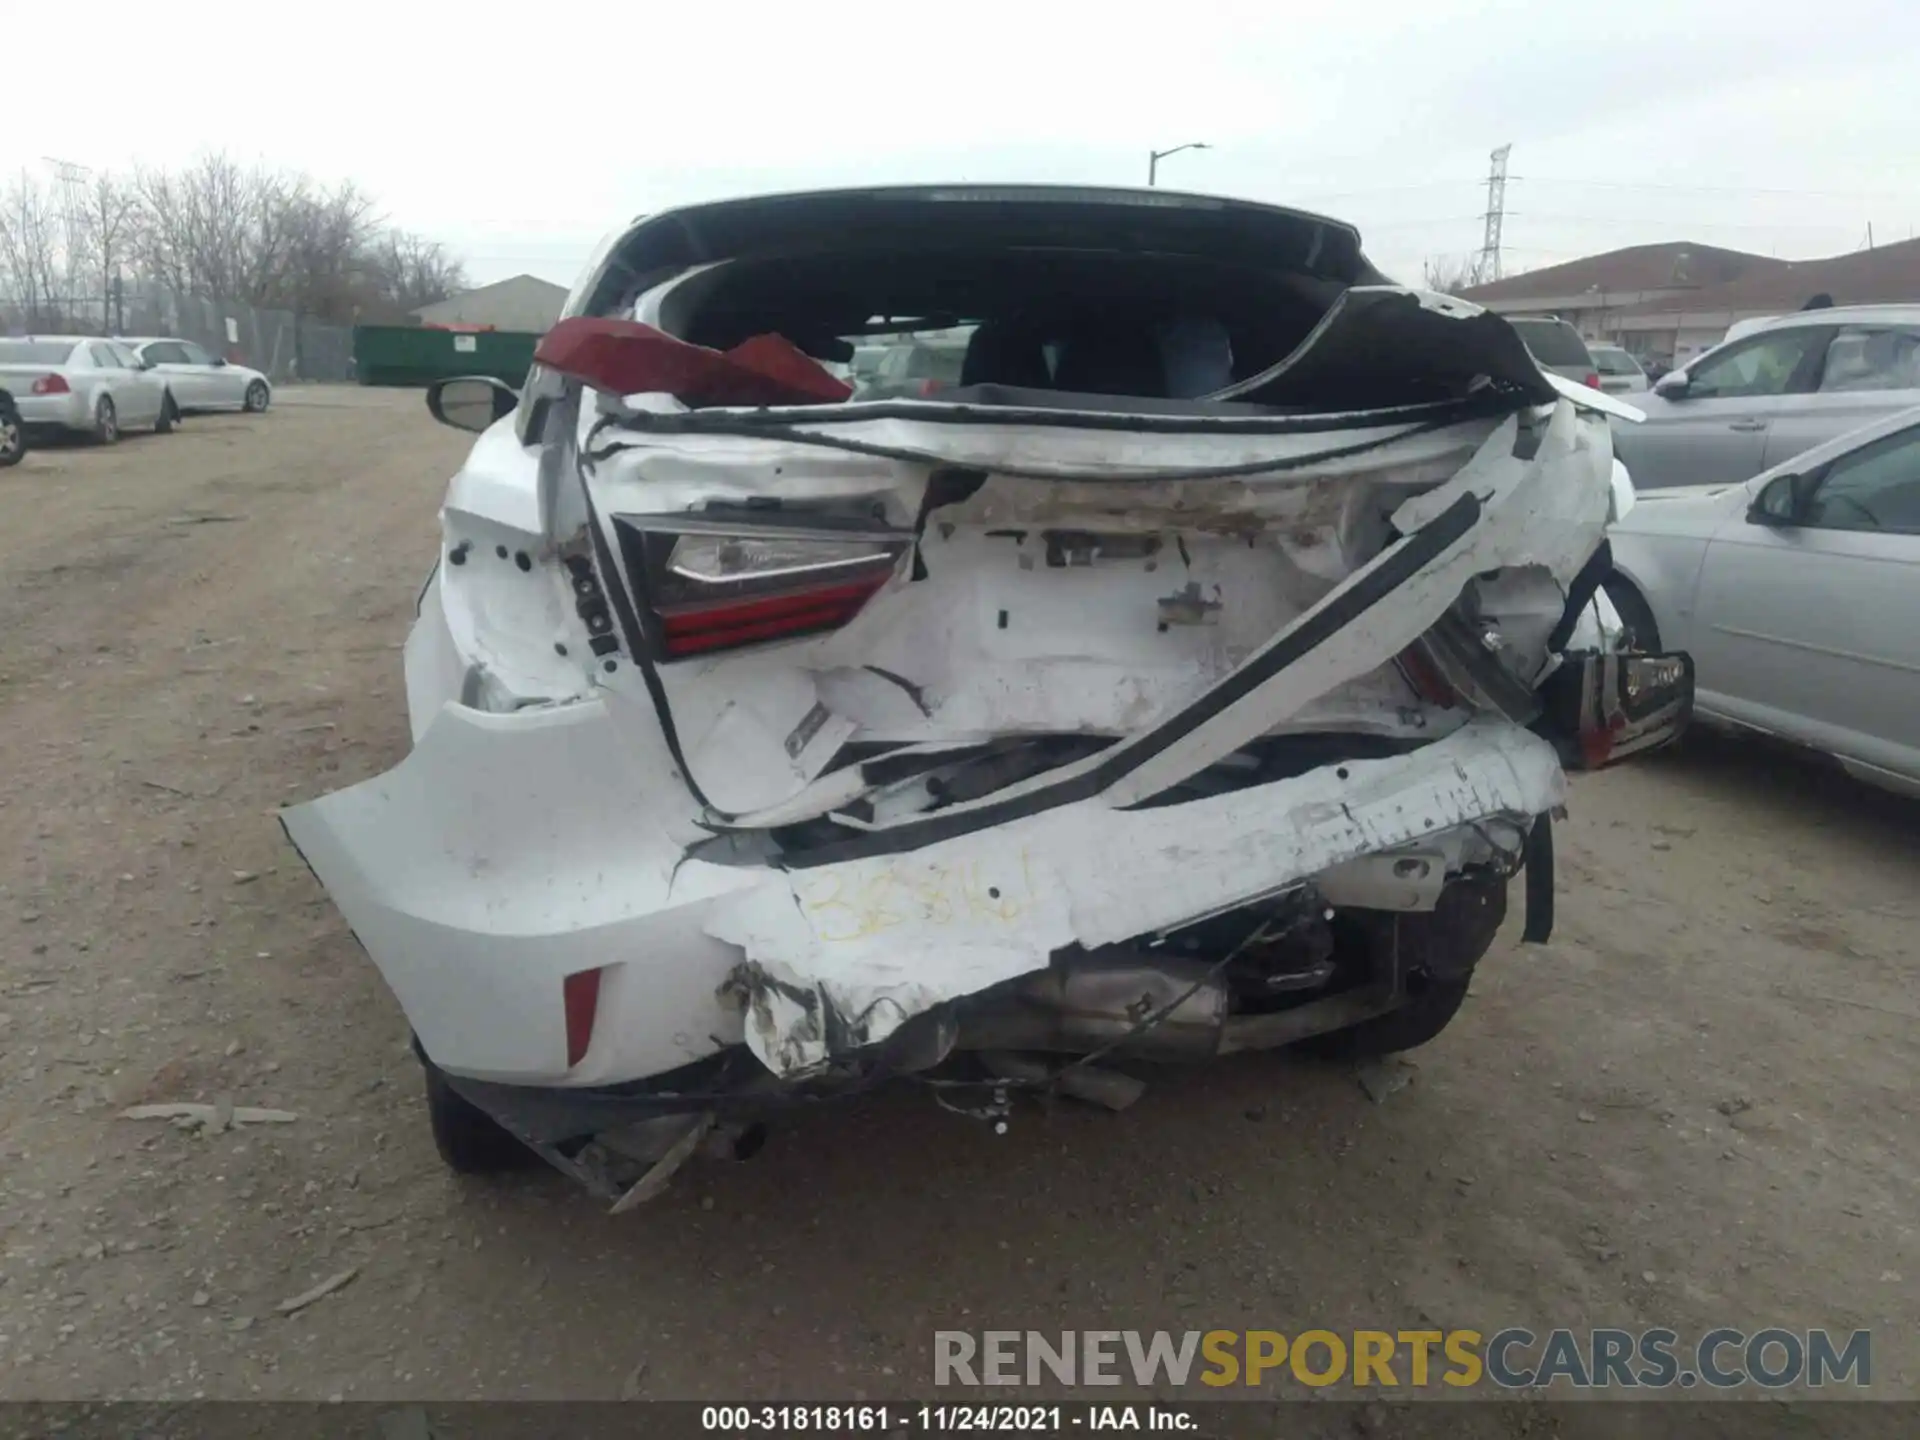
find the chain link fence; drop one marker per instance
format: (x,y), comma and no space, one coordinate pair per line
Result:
(277,343)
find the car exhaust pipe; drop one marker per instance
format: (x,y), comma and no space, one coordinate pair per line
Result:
(1108,1003)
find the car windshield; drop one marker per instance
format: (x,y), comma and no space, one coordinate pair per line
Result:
(1553,342)
(34,352)
(1612,360)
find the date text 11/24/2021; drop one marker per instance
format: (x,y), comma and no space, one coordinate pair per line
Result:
(978,1419)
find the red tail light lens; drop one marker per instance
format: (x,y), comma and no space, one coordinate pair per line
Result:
(715,592)
(51,385)
(580,994)
(1593,381)
(929,387)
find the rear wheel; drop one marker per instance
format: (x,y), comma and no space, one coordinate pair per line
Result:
(106,422)
(13,436)
(256,397)
(469,1140)
(1422,1018)
(1642,631)
(1436,950)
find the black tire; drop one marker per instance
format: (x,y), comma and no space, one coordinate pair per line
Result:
(13,436)
(1643,631)
(1415,1023)
(1439,949)
(106,422)
(257,397)
(169,415)
(469,1140)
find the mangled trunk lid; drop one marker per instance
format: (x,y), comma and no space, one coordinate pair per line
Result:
(874,707)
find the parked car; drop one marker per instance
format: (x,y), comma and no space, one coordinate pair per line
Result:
(1753,403)
(201,380)
(13,431)
(1796,592)
(1558,347)
(83,385)
(1620,373)
(768,747)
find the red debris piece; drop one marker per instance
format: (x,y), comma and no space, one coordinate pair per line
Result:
(624,357)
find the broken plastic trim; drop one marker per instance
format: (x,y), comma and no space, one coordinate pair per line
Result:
(1391,570)
(649,422)
(775,422)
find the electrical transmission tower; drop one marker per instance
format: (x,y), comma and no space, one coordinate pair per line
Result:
(72,180)
(1486,266)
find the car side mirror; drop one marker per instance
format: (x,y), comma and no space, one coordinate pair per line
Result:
(1672,386)
(219,362)
(1781,501)
(470,402)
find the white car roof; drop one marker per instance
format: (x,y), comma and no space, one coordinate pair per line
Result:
(1839,315)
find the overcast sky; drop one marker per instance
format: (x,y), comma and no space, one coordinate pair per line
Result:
(519,133)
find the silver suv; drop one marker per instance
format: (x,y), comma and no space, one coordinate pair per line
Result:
(1790,384)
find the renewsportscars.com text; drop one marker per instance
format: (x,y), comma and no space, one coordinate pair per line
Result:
(1513,1358)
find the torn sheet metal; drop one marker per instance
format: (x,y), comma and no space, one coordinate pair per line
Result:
(849,952)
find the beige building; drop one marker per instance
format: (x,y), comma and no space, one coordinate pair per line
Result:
(1678,327)
(1596,291)
(523,302)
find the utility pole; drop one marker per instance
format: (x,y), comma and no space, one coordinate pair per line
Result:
(1154,157)
(1486,267)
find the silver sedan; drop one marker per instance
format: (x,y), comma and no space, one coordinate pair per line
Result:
(201,380)
(1796,592)
(79,384)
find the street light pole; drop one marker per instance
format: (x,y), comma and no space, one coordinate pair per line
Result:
(1154,157)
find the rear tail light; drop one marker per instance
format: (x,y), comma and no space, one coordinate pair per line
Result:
(929,387)
(719,591)
(580,995)
(51,385)
(1593,381)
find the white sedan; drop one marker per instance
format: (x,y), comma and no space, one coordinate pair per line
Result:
(203,381)
(79,384)
(1796,592)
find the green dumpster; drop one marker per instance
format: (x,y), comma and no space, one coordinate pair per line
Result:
(421,354)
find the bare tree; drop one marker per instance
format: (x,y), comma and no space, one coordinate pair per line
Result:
(108,223)
(410,271)
(30,253)
(1449,274)
(329,235)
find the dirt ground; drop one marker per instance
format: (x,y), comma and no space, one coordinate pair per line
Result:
(1694,1108)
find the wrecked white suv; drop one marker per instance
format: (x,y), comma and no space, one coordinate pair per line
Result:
(1192,676)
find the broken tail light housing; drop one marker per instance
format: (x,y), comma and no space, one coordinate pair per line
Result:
(710,588)
(52,385)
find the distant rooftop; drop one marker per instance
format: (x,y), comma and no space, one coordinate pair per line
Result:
(1675,264)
